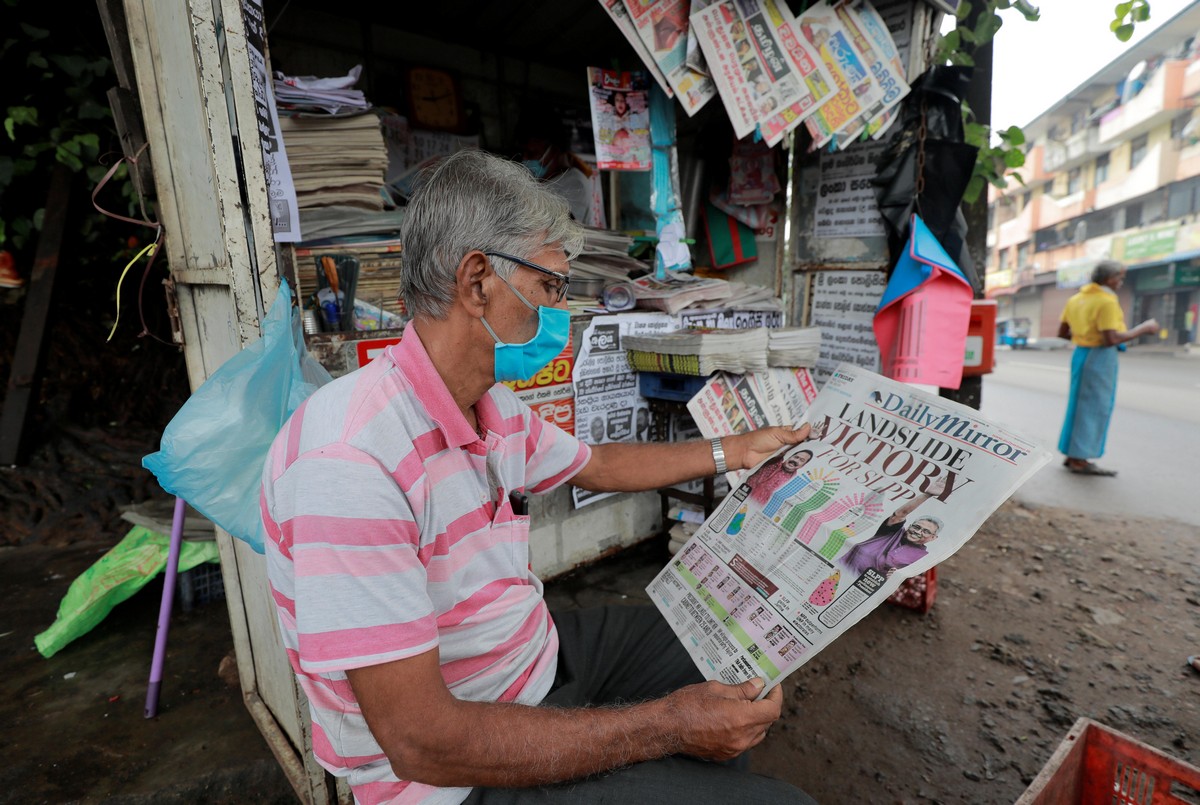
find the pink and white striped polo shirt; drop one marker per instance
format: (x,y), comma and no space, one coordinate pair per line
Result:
(390,533)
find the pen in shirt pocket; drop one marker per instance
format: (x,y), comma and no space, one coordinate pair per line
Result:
(519,502)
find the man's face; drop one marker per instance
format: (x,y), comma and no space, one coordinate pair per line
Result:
(597,430)
(643,419)
(513,321)
(922,532)
(794,462)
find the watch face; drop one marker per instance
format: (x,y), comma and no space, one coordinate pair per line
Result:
(433,95)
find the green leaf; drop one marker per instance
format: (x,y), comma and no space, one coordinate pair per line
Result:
(1014,159)
(951,41)
(974,188)
(38,217)
(71,65)
(966,34)
(1124,32)
(34,33)
(37,60)
(964,11)
(1123,8)
(1114,25)
(1014,135)
(95,173)
(65,156)
(1140,14)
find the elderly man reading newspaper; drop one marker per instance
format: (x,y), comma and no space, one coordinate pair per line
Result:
(395,507)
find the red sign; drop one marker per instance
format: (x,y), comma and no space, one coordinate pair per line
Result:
(372,348)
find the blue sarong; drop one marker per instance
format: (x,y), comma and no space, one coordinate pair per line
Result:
(1090,403)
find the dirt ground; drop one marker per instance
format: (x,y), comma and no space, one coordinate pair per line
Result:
(1044,617)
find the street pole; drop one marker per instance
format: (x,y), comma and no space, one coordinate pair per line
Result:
(979,98)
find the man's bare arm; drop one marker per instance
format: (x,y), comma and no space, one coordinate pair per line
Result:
(622,467)
(434,738)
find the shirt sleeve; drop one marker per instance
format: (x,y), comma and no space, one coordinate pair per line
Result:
(1110,316)
(359,584)
(552,456)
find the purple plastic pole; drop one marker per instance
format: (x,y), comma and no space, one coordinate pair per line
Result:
(164,609)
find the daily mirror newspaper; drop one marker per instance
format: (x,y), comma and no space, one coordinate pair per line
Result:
(891,481)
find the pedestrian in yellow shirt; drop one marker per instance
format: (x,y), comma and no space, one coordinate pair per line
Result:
(1094,322)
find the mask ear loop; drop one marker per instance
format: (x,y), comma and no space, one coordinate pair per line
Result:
(152,249)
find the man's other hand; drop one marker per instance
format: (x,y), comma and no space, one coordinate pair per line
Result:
(719,722)
(748,449)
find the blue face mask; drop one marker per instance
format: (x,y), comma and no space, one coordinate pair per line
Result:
(523,361)
(535,165)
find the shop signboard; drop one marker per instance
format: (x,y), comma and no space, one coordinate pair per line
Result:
(1074,273)
(1141,246)
(550,393)
(1187,274)
(1157,278)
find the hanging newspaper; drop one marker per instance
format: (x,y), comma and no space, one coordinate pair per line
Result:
(616,10)
(871,39)
(857,90)
(620,118)
(662,26)
(891,481)
(768,77)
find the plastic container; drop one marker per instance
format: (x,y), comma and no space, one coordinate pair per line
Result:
(202,584)
(918,592)
(1095,764)
(668,386)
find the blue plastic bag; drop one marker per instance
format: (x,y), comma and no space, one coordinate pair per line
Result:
(213,450)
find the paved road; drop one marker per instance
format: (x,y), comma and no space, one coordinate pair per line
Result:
(1154,439)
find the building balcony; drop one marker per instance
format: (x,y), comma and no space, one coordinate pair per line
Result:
(1154,171)
(1054,210)
(1191,79)
(1019,229)
(1073,151)
(1158,102)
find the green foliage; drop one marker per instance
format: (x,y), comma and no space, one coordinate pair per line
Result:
(57,71)
(1128,14)
(997,160)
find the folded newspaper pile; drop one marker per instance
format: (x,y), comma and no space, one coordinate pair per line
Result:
(677,290)
(793,346)
(698,351)
(891,481)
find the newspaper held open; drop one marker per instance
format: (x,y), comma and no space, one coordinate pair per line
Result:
(891,481)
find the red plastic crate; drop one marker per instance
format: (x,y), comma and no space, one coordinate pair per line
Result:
(1095,764)
(917,593)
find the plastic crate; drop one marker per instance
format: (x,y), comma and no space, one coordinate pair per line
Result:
(918,592)
(668,386)
(1095,764)
(202,584)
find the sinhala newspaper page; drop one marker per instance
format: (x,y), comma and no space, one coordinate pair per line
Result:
(891,481)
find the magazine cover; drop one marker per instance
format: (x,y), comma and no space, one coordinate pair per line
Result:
(620,118)
(891,481)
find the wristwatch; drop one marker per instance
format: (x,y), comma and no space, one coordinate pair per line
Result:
(718,455)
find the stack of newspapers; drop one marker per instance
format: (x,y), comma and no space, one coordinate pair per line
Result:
(698,351)
(793,346)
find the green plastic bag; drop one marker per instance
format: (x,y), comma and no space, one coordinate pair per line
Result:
(117,575)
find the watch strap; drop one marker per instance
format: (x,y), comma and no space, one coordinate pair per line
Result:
(718,452)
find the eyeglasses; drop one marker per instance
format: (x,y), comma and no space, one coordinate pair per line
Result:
(560,290)
(919,529)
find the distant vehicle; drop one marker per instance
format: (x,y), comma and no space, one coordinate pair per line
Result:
(1013,332)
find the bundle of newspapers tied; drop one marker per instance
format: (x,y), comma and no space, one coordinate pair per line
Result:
(698,351)
(793,346)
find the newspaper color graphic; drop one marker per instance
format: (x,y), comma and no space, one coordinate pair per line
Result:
(922,320)
(895,481)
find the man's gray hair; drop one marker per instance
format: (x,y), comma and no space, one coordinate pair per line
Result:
(929,518)
(1106,270)
(476,200)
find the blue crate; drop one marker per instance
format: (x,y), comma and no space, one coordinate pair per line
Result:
(667,386)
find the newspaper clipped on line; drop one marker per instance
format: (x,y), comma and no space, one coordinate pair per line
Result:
(891,481)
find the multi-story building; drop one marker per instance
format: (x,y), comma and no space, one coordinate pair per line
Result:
(1112,171)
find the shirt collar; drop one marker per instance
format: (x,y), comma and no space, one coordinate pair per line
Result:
(411,358)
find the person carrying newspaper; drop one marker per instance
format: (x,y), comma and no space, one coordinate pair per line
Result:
(394,502)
